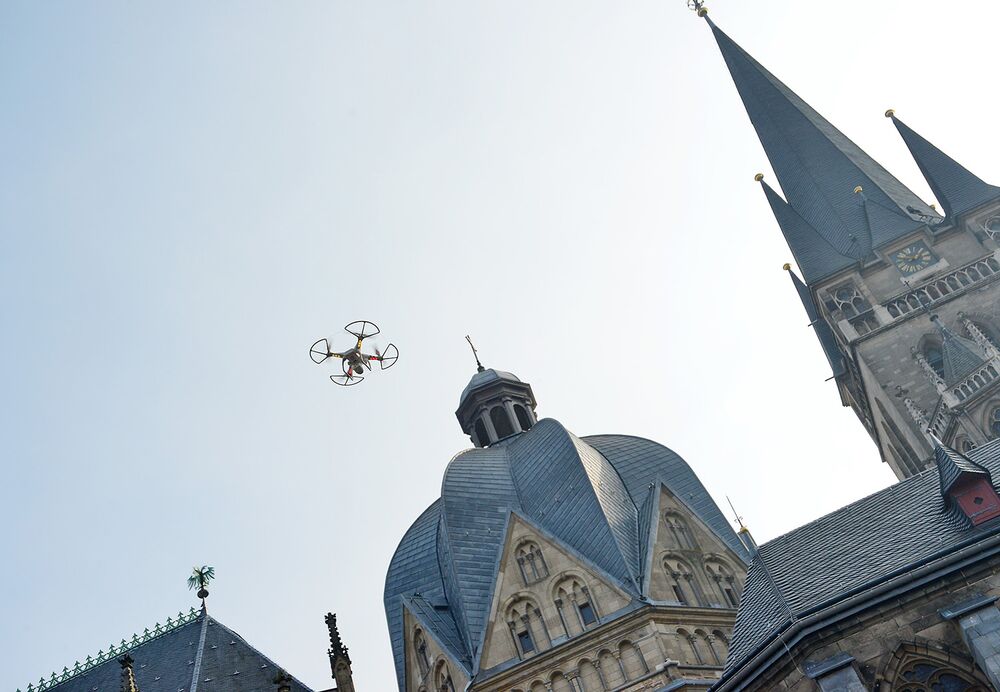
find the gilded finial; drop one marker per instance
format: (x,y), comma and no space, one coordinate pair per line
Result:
(889,113)
(858,190)
(758,177)
(698,6)
(787,267)
(934,207)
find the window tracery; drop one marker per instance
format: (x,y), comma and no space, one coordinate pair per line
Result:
(680,531)
(995,422)
(531,563)
(682,582)
(420,648)
(725,581)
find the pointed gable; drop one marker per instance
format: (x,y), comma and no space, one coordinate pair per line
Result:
(195,650)
(817,166)
(534,568)
(954,186)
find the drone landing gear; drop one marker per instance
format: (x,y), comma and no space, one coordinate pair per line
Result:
(346,380)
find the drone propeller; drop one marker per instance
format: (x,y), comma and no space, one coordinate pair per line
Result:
(389,357)
(362,329)
(320,353)
(346,380)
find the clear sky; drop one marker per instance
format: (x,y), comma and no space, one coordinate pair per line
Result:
(192,193)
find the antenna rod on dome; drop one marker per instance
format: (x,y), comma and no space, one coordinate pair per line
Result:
(475,354)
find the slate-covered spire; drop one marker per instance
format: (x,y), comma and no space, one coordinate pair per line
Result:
(823,332)
(959,355)
(819,168)
(954,186)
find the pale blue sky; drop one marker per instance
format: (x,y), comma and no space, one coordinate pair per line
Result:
(192,193)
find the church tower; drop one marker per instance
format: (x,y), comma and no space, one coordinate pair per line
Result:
(904,299)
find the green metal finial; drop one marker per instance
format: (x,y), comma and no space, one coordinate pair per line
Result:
(200,576)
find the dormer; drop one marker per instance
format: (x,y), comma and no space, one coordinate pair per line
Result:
(965,485)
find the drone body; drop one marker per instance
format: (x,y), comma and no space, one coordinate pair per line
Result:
(354,361)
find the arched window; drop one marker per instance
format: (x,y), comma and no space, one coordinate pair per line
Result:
(522,417)
(714,657)
(501,422)
(680,531)
(683,582)
(995,422)
(524,619)
(420,649)
(575,605)
(692,644)
(929,667)
(482,436)
(442,678)
(531,562)
(725,582)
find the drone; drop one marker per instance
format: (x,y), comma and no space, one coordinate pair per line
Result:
(353,361)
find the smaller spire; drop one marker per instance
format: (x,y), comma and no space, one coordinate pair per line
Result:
(954,186)
(960,356)
(827,339)
(340,660)
(128,674)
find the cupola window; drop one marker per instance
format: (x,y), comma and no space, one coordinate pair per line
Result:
(501,422)
(522,417)
(482,435)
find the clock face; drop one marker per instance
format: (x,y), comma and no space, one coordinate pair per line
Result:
(913,258)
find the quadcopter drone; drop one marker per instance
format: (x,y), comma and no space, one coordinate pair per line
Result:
(353,361)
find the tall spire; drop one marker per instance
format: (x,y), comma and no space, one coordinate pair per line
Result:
(819,168)
(954,186)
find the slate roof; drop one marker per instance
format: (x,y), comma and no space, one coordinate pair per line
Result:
(954,186)
(821,327)
(848,551)
(483,378)
(818,169)
(583,492)
(223,660)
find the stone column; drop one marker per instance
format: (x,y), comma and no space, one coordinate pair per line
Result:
(836,674)
(979,621)
(562,617)
(600,673)
(509,407)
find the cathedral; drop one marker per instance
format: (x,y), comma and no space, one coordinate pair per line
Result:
(553,562)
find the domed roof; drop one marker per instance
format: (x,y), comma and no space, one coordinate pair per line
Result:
(594,495)
(483,378)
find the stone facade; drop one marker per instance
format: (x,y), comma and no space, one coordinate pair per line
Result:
(559,624)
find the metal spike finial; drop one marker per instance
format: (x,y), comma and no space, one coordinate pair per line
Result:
(475,354)
(739,519)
